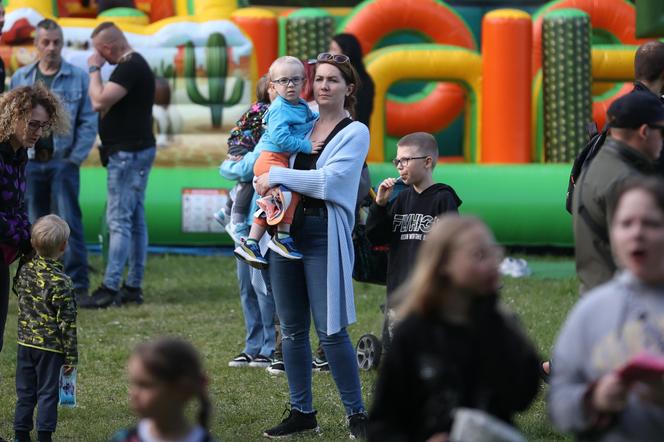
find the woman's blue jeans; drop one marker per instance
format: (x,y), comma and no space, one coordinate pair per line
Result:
(300,292)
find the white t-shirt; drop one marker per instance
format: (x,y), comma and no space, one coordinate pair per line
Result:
(197,434)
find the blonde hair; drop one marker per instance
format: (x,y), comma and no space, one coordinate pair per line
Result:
(16,110)
(49,233)
(424,291)
(424,142)
(284,60)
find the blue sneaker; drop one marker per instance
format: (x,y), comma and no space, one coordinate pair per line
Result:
(285,247)
(251,254)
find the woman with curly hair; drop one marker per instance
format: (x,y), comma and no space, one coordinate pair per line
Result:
(26,114)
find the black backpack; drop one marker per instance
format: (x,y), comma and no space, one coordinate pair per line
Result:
(583,160)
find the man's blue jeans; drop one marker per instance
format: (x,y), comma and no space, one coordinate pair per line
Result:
(125,215)
(53,187)
(258,310)
(300,292)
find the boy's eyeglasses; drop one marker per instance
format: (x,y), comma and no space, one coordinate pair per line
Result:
(404,161)
(35,125)
(285,81)
(337,58)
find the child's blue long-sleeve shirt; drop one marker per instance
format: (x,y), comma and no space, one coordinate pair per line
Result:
(287,127)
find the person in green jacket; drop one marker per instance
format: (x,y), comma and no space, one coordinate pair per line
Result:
(636,123)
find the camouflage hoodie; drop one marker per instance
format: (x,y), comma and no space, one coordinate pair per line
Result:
(46,308)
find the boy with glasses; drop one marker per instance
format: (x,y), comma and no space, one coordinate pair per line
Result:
(404,222)
(287,121)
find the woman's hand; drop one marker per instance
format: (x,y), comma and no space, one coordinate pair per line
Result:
(316,147)
(384,191)
(609,394)
(262,183)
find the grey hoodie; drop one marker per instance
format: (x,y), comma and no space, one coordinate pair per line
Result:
(605,329)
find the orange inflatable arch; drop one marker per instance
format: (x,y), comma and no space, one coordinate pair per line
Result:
(442,25)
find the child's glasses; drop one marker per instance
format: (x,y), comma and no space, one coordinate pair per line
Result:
(337,58)
(285,81)
(404,161)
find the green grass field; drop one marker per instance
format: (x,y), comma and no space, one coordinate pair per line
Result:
(197,298)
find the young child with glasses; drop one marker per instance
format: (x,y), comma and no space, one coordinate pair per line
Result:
(403,222)
(287,121)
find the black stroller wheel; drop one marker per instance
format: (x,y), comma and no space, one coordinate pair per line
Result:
(368,351)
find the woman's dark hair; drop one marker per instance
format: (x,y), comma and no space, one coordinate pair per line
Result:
(350,46)
(350,76)
(170,360)
(651,185)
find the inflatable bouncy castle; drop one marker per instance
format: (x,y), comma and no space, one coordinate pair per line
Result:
(507,92)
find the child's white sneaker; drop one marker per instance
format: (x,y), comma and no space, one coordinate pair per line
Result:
(221,218)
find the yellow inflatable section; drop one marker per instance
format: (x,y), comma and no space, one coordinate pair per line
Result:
(425,62)
(211,9)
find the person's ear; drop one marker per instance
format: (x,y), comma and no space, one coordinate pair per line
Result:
(643,131)
(64,245)
(349,89)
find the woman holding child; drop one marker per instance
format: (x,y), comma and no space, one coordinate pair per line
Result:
(320,283)
(26,114)
(593,394)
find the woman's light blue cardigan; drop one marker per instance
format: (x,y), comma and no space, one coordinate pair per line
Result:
(335,180)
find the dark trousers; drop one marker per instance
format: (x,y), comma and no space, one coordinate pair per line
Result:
(37,383)
(4,297)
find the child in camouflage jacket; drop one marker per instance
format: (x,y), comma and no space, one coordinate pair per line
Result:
(46,330)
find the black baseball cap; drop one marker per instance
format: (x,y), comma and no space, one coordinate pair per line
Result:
(635,109)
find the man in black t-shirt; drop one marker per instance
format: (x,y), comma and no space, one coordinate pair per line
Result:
(124,104)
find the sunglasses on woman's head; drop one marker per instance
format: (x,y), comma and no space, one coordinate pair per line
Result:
(337,58)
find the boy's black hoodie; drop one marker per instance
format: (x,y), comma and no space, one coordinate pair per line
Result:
(404,223)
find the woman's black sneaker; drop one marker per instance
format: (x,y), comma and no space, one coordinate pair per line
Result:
(277,367)
(296,422)
(357,423)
